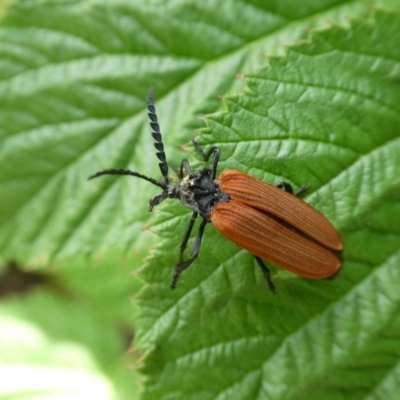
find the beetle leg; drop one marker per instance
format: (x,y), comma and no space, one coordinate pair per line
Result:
(205,156)
(266,273)
(186,236)
(288,188)
(185,166)
(174,167)
(200,150)
(182,265)
(302,190)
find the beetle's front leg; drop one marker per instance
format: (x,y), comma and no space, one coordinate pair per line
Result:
(205,156)
(182,265)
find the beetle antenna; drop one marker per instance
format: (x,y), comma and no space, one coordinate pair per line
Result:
(158,145)
(161,184)
(157,136)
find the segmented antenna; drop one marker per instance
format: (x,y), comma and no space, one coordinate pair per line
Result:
(160,154)
(127,172)
(157,135)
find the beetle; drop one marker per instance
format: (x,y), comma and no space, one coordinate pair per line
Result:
(267,220)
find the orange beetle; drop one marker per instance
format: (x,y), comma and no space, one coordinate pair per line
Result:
(271,223)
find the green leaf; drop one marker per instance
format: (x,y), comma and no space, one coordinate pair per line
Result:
(73,80)
(327,114)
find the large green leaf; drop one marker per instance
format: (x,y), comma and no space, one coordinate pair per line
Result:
(73,80)
(327,114)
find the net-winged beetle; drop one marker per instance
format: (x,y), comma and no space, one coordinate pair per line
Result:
(271,223)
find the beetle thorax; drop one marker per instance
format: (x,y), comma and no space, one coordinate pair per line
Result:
(200,192)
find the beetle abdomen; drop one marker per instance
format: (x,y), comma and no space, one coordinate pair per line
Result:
(266,238)
(283,205)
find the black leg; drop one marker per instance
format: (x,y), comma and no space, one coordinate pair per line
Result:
(302,190)
(185,166)
(182,265)
(289,189)
(200,150)
(174,167)
(266,273)
(213,150)
(284,185)
(186,236)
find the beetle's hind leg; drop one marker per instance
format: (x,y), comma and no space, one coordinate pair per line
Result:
(288,188)
(303,189)
(266,273)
